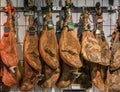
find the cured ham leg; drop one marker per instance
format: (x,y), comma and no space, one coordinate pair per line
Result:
(99,71)
(9,51)
(69,43)
(69,51)
(32,62)
(91,50)
(99,34)
(48,48)
(91,53)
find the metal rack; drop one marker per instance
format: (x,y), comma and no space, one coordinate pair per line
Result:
(58,9)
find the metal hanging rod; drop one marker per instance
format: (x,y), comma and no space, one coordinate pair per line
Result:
(59,9)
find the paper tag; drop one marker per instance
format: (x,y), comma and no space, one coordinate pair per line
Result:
(50,24)
(70,25)
(6,29)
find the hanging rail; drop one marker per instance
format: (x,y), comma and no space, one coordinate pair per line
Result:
(59,9)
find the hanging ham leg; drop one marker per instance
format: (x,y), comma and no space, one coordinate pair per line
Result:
(91,50)
(32,62)
(91,53)
(9,51)
(99,71)
(99,34)
(69,51)
(69,45)
(48,48)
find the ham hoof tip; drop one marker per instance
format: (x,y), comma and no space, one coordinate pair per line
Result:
(77,74)
(12,69)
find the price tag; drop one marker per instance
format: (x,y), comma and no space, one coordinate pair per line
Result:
(6,29)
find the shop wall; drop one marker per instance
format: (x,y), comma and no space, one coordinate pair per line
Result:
(22,22)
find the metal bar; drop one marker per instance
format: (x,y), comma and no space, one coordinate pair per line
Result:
(58,9)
